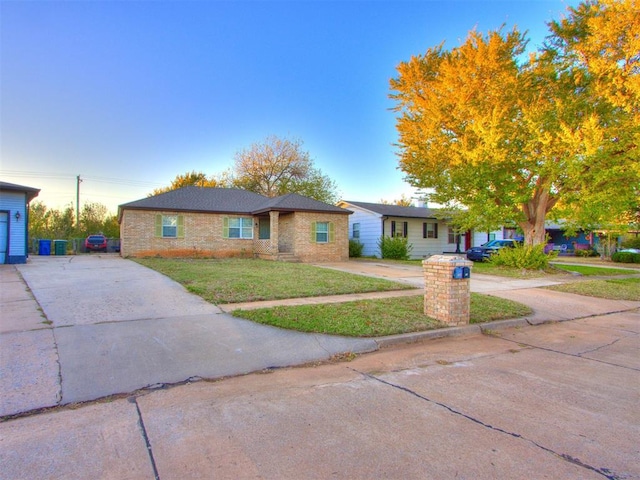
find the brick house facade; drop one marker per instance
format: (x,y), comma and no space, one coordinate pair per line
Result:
(232,222)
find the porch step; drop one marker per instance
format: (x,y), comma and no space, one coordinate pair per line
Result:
(288,257)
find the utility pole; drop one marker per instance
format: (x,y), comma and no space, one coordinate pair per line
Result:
(78,180)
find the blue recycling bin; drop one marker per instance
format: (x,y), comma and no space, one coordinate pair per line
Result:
(44,247)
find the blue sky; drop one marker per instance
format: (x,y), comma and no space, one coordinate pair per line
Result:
(128,94)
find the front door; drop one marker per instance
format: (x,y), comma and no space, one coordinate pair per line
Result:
(4,236)
(264,228)
(467,240)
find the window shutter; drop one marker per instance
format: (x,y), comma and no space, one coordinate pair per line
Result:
(405,229)
(314,228)
(393,228)
(158,226)
(424,229)
(225,227)
(180,229)
(332,233)
(435,230)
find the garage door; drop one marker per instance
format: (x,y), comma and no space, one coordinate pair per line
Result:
(4,234)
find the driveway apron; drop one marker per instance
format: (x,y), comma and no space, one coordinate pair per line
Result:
(119,326)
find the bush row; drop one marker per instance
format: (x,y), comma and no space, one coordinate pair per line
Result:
(525,257)
(626,257)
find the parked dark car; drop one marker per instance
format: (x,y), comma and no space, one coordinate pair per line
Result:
(483,252)
(95,243)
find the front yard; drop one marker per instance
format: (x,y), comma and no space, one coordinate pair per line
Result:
(223,281)
(374,318)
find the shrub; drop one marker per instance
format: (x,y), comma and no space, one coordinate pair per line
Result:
(522,256)
(626,257)
(586,253)
(397,248)
(355,248)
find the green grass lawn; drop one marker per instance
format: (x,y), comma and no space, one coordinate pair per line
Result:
(243,280)
(223,281)
(588,270)
(373,318)
(615,289)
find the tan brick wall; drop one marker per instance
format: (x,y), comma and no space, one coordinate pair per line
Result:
(307,251)
(446,298)
(203,233)
(286,227)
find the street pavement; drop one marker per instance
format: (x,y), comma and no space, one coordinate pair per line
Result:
(542,400)
(550,401)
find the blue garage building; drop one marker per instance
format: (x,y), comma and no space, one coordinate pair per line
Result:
(14,202)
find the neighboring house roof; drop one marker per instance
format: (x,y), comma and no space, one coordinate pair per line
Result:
(228,200)
(394,210)
(12,187)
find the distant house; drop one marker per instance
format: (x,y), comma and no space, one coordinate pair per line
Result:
(234,222)
(427,234)
(14,201)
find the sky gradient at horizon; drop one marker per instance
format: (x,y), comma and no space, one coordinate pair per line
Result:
(130,94)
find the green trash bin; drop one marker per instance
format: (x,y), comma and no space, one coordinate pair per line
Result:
(60,247)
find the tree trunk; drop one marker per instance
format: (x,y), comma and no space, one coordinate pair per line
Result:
(535,211)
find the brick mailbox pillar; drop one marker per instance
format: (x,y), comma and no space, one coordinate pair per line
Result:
(447,294)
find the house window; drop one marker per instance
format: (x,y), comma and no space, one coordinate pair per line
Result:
(452,236)
(509,233)
(356,230)
(399,229)
(169,226)
(238,227)
(322,232)
(429,230)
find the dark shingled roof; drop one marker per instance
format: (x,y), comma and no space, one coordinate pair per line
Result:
(12,187)
(228,200)
(296,202)
(395,210)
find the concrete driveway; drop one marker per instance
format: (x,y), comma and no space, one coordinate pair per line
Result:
(108,325)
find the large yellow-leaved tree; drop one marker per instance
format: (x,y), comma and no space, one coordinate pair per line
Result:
(505,137)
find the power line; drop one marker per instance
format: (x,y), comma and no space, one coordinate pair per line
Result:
(117,181)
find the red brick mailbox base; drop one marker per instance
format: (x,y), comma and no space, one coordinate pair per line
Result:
(447,294)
